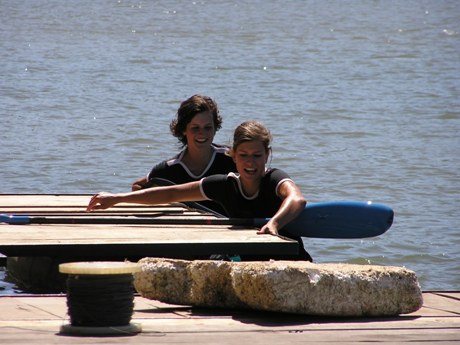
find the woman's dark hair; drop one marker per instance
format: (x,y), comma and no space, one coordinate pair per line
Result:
(252,131)
(188,109)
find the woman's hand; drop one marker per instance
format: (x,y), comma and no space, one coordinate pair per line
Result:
(101,201)
(292,205)
(268,228)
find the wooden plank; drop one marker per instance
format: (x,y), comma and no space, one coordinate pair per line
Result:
(441,304)
(32,308)
(126,240)
(36,320)
(44,199)
(129,233)
(138,240)
(52,200)
(41,210)
(72,203)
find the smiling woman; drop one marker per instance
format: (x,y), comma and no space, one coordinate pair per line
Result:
(255,191)
(195,126)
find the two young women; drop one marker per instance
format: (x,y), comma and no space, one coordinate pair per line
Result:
(252,192)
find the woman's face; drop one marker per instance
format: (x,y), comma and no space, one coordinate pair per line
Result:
(250,158)
(200,131)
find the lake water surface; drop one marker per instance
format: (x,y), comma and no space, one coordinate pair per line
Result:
(362,97)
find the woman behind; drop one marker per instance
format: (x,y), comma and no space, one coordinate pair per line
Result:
(253,192)
(196,123)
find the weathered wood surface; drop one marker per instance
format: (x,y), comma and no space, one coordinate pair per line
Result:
(139,240)
(102,240)
(78,201)
(75,204)
(37,320)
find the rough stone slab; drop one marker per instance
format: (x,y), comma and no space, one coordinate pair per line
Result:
(283,286)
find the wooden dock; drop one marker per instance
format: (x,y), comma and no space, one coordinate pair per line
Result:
(37,319)
(33,252)
(126,231)
(34,320)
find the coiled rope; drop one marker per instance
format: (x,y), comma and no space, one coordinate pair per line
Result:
(100,300)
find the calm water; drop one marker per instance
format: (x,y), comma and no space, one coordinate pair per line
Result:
(363,99)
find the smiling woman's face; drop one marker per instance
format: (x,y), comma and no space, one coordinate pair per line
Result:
(250,158)
(200,131)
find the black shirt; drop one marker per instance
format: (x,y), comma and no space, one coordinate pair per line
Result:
(228,192)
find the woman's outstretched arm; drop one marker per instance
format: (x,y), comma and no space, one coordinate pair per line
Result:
(150,196)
